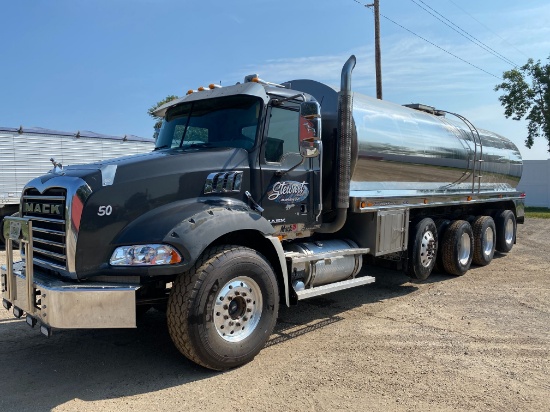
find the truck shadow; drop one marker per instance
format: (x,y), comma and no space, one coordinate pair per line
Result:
(103,364)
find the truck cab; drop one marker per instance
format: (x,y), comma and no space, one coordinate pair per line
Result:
(270,124)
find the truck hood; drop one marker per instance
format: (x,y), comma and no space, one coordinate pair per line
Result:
(104,198)
(155,165)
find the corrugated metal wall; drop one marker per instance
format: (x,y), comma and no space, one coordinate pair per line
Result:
(24,156)
(535,182)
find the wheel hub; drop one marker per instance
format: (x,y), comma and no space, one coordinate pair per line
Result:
(489,241)
(238,309)
(509,232)
(464,249)
(427,249)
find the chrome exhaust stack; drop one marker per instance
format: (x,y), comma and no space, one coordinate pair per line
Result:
(345,131)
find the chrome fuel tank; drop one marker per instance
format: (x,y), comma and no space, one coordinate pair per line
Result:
(399,151)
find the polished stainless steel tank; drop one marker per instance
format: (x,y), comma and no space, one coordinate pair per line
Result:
(399,151)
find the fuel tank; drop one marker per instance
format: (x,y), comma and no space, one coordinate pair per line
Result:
(400,151)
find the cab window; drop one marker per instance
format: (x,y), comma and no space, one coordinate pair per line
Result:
(282,134)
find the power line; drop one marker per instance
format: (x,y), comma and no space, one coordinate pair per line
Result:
(488,28)
(441,48)
(464,33)
(433,44)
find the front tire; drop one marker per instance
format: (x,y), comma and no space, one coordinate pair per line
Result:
(221,313)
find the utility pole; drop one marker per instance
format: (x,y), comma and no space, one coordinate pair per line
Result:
(377,58)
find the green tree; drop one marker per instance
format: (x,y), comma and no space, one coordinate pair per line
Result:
(158,119)
(527,95)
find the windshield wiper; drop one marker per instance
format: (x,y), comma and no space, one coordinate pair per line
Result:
(193,145)
(160,147)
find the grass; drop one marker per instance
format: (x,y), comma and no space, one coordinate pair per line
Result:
(537,212)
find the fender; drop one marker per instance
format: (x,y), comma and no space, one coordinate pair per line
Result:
(191,225)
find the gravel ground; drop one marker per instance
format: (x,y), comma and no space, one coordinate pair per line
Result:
(476,342)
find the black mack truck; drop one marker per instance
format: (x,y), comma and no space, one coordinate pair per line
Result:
(256,195)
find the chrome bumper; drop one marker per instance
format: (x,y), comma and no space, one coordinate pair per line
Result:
(57,303)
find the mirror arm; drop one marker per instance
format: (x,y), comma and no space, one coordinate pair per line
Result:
(277,102)
(280,173)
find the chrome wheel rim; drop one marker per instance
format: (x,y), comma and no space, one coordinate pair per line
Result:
(238,309)
(509,232)
(427,249)
(489,238)
(464,249)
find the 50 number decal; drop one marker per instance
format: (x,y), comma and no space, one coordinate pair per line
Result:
(105,210)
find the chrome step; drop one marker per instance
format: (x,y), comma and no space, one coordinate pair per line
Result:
(296,257)
(334,287)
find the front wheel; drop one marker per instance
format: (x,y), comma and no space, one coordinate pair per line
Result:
(221,313)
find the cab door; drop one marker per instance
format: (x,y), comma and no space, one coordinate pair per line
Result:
(290,184)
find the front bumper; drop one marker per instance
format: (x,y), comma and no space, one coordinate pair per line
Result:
(58,303)
(65,305)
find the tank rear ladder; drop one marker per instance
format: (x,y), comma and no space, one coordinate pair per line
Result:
(478,151)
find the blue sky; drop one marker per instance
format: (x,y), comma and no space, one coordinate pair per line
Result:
(99,65)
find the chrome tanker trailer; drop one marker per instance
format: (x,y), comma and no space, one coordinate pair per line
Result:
(258,194)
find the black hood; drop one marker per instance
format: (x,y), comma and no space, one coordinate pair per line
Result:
(151,189)
(157,165)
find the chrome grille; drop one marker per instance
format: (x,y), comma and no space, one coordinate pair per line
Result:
(47,212)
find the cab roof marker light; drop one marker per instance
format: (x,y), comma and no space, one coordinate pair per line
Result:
(214,86)
(201,89)
(190,91)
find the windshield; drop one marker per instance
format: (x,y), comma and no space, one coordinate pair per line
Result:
(222,122)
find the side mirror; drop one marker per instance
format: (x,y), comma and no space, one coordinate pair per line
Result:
(310,148)
(310,120)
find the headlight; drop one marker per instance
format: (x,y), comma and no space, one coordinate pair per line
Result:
(144,255)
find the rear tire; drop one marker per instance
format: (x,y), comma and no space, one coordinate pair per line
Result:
(505,223)
(457,248)
(442,225)
(484,240)
(221,313)
(422,249)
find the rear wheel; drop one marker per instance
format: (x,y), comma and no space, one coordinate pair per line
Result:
(221,313)
(484,240)
(422,249)
(442,225)
(505,223)
(457,248)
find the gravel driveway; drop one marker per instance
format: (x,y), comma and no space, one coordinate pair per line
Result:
(476,342)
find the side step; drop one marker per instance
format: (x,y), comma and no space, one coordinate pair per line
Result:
(334,287)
